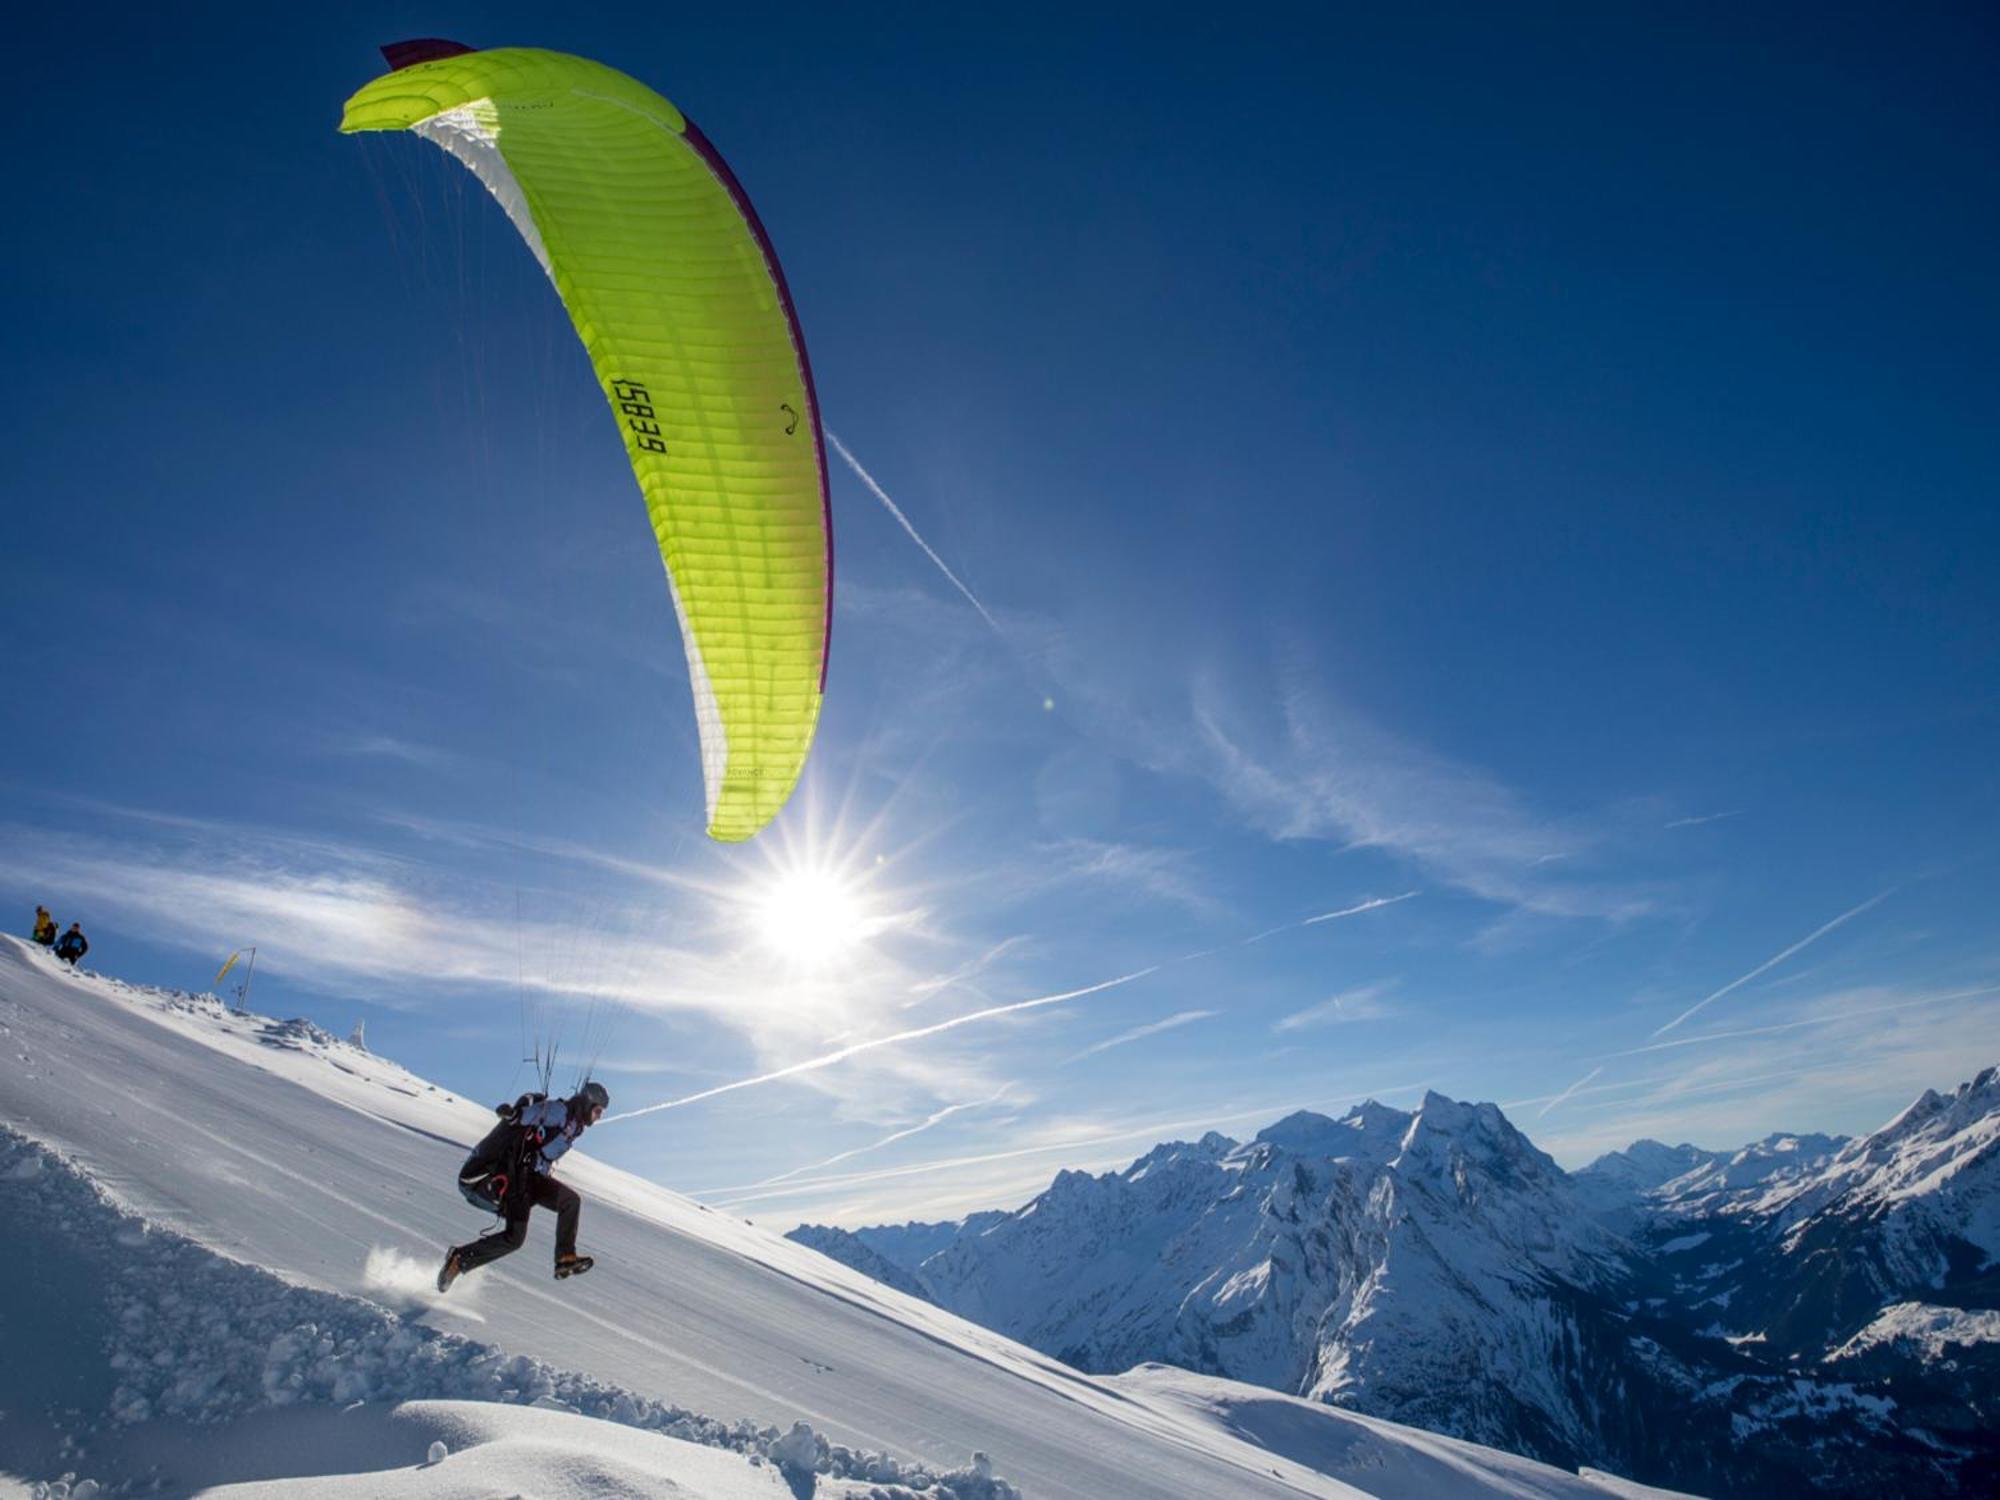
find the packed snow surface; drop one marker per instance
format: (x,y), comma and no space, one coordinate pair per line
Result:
(225,1227)
(1378,1458)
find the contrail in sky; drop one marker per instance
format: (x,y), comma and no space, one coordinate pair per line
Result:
(827,1060)
(1140,1033)
(1356,910)
(1775,960)
(896,511)
(1374,903)
(1570,1090)
(889,1140)
(1845,1015)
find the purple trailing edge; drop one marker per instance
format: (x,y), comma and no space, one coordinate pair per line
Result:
(707,152)
(422,49)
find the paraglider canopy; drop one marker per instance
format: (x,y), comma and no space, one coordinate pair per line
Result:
(676,293)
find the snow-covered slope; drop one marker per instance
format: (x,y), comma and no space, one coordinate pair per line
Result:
(222,1230)
(1649,1179)
(1935,1160)
(1380,1457)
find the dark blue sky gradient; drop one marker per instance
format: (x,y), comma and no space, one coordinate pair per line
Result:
(1584,417)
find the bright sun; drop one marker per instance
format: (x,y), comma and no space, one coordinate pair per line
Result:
(810,916)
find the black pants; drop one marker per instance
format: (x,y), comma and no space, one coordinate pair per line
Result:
(544,1192)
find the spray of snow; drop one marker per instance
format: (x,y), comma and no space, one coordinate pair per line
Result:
(407,1281)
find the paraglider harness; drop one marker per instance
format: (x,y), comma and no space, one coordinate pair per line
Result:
(495,1177)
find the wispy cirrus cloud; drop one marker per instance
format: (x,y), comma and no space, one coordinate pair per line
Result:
(389,747)
(1697,821)
(1329,772)
(966,975)
(1168,875)
(1140,1033)
(1864,1051)
(350,919)
(1710,1037)
(1368,1002)
(1294,761)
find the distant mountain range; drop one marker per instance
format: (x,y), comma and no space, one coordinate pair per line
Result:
(1807,1312)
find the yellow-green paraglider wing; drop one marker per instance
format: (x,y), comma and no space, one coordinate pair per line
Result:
(677,295)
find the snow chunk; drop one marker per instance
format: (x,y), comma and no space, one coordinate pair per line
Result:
(797,1451)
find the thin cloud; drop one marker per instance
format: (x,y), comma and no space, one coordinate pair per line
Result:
(1365,1003)
(388,747)
(466,835)
(963,975)
(1696,822)
(1166,874)
(1333,774)
(405,933)
(1777,958)
(1140,1033)
(1659,1090)
(1831,1020)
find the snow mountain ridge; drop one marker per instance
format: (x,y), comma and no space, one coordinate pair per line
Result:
(1689,1317)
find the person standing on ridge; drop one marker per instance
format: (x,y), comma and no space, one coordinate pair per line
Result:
(72,945)
(511,1173)
(45,927)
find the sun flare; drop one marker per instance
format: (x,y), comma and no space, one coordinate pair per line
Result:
(811,916)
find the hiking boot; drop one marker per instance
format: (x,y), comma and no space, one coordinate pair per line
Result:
(569,1263)
(448,1273)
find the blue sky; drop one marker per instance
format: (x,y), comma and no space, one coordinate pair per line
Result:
(1527,485)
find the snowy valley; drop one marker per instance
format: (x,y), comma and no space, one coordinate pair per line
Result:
(224,1228)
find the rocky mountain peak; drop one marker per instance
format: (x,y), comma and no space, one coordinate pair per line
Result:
(1446,1132)
(1368,1130)
(1211,1148)
(1646,1164)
